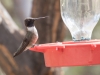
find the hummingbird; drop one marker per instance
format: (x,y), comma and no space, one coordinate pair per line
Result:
(31,36)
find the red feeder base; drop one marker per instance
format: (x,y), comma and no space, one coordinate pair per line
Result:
(62,54)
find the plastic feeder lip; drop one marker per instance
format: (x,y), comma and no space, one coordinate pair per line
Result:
(62,54)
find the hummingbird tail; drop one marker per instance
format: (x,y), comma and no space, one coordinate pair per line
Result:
(18,52)
(15,54)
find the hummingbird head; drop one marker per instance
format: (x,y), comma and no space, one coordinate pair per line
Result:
(29,22)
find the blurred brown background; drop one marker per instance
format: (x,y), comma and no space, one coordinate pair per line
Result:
(50,30)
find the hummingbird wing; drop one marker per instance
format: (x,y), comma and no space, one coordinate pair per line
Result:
(24,43)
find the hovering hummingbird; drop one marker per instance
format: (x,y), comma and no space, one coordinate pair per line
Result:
(31,36)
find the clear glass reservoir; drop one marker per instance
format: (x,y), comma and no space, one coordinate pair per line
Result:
(80,16)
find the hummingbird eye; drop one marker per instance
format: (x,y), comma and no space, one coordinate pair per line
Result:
(29,22)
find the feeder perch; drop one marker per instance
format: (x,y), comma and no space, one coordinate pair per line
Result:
(61,54)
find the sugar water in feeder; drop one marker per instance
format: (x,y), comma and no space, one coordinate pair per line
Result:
(80,16)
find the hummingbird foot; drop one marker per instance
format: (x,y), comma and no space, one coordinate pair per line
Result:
(35,45)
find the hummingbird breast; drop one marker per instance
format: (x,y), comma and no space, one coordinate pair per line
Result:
(34,37)
(32,41)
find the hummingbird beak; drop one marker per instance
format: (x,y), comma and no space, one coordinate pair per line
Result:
(40,18)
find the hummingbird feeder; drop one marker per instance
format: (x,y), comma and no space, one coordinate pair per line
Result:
(80,16)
